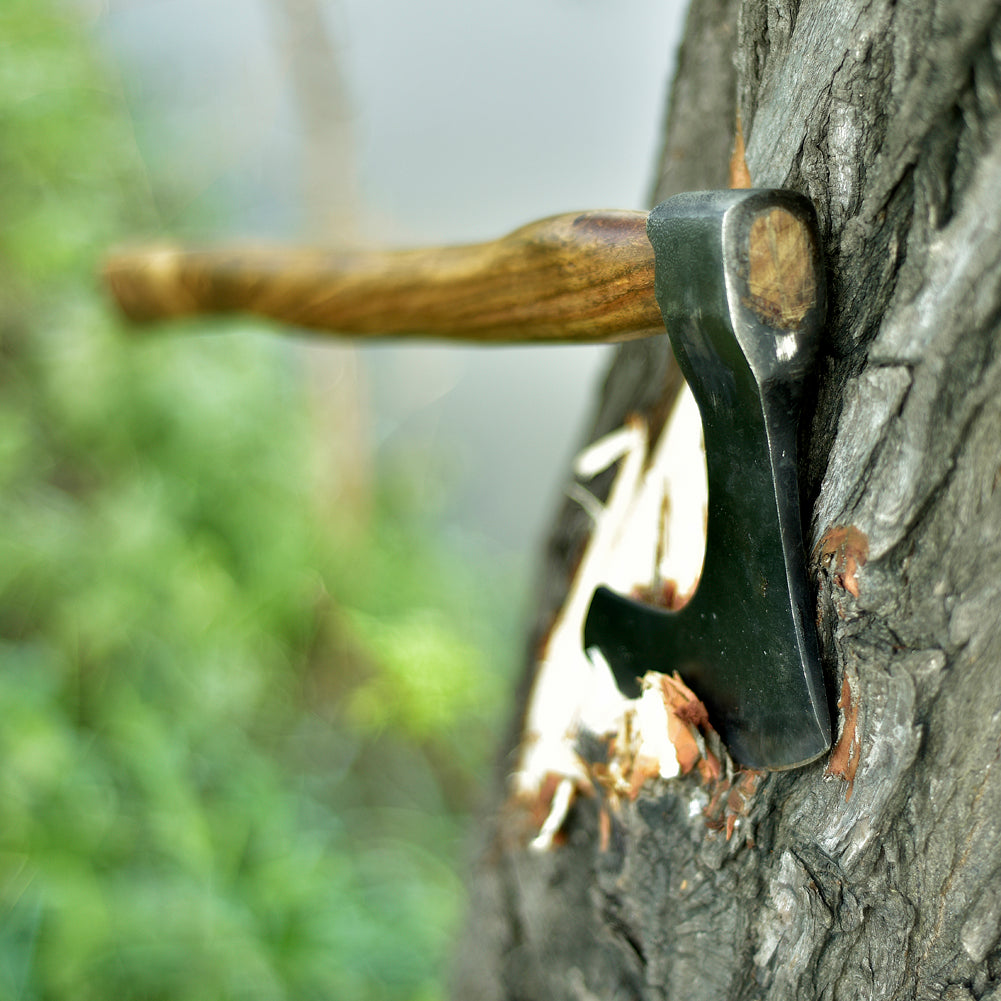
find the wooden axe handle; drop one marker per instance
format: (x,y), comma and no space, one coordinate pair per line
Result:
(579,277)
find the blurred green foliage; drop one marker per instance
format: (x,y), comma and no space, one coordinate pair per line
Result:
(239,733)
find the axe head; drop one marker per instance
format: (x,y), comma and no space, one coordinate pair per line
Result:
(740,285)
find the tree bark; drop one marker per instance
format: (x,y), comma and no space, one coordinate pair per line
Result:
(874,873)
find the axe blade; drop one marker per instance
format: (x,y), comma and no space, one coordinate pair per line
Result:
(740,285)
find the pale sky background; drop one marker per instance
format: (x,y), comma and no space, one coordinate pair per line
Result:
(466,119)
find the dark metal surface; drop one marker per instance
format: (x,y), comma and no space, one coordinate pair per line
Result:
(746,643)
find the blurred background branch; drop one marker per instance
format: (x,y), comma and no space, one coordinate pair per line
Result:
(329,186)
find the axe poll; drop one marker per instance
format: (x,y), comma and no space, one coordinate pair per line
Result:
(736,278)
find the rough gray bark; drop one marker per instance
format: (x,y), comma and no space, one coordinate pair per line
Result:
(888,116)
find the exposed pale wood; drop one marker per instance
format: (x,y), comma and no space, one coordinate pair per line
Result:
(579,277)
(740,176)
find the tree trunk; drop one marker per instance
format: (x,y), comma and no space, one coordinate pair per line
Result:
(874,873)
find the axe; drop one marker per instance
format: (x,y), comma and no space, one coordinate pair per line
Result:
(736,277)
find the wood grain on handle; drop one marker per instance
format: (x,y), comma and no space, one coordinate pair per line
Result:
(579,277)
